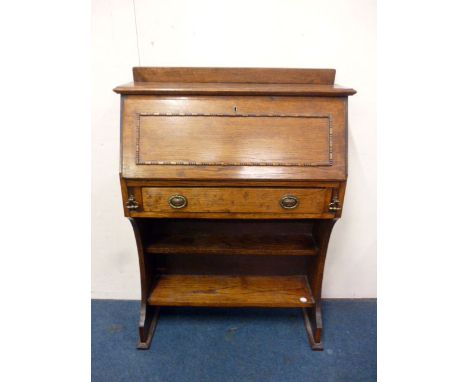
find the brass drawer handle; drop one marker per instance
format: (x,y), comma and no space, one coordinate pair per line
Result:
(132,203)
(334,205)
(177,201)
(289,202)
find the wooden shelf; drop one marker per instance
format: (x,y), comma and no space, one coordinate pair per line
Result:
(232,291)
(235,244)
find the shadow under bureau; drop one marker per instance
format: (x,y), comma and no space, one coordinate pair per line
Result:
(232,180)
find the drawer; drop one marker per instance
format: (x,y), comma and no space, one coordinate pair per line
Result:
(236,200)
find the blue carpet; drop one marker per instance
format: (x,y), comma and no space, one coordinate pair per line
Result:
(241,345)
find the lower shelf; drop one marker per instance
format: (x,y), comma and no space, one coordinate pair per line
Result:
(232,291)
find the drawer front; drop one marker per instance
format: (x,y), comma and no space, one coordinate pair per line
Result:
(236,200)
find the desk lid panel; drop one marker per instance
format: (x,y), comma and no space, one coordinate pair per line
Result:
(225,140)
(234,138)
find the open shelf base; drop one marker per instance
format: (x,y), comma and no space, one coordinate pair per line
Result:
(248,263)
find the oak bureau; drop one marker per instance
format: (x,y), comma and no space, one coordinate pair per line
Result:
(232,179)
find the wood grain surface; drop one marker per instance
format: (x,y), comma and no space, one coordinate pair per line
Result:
(167,88)
(231,291)
(286,139)
(235,244)
(236,75)
(236,200)
(234,140)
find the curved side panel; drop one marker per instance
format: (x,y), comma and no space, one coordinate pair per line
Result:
(148,314)
(313,316)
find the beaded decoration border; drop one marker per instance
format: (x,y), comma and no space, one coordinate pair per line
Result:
(195,163)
